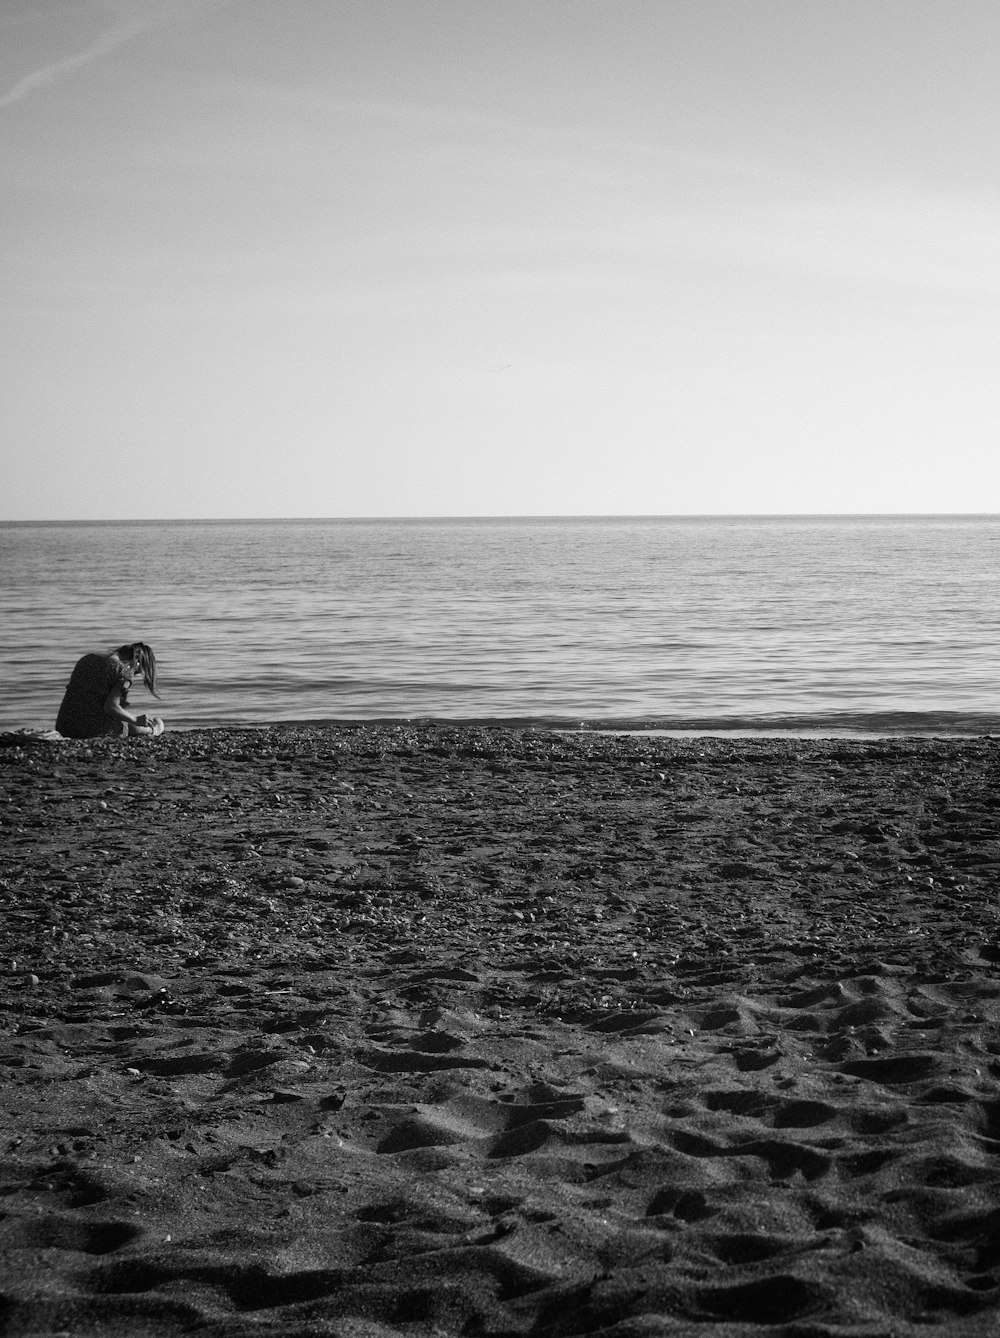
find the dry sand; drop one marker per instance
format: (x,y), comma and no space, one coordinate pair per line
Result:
(428,1030)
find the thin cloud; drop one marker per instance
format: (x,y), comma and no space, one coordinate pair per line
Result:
(128,25)
(48,74)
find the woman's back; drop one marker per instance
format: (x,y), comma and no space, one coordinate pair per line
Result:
(82,714)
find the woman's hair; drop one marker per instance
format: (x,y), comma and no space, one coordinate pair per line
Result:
(142,655)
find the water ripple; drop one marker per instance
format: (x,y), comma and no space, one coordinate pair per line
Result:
(667,621)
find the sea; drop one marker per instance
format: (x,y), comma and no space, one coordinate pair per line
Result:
(738,624)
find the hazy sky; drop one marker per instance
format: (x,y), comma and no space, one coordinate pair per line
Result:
(439,257)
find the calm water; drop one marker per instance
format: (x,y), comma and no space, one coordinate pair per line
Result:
(809,622)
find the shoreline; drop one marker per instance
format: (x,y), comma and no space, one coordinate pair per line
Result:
(407,1028)
(841,725)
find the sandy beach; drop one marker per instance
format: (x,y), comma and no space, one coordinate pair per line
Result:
(386,1030)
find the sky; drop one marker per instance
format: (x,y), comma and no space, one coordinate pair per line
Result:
(498,257)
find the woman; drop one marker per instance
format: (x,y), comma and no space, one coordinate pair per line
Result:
(96,700)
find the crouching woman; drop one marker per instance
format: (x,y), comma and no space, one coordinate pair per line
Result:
(96,699)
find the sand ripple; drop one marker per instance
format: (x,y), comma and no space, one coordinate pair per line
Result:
(375,1032)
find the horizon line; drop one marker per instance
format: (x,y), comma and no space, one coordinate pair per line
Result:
(500,516)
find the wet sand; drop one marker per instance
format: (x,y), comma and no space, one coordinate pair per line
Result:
(427,1030)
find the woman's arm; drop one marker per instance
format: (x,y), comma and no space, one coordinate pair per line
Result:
(141,724)
(113,706)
